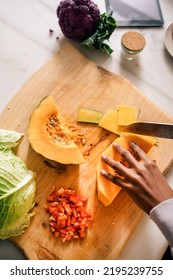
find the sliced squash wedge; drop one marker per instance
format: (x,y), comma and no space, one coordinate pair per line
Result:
(110,121)
(127,115)
(107,191)
(51,136)
(116,119)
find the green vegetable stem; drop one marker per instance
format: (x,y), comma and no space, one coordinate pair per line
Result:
(106,27)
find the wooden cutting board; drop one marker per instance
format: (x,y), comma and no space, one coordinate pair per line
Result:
(74,81)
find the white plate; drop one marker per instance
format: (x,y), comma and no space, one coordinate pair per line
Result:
(169,38)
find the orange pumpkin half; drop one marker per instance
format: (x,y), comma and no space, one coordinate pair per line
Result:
(51,136)
(107,191)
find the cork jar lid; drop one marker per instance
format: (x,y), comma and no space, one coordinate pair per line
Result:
(133,41)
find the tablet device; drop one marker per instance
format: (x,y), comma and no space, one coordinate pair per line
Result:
(136,12)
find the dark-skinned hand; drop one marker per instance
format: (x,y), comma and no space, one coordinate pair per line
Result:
(142,179)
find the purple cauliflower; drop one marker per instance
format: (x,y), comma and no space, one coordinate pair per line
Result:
(78,19)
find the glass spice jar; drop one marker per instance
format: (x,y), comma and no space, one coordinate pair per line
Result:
(132,44)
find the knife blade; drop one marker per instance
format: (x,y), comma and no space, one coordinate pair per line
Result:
(160,130)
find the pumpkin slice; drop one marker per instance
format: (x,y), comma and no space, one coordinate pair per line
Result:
(127,115)
(51,136)
(110,121)
(107,191)
(116,119)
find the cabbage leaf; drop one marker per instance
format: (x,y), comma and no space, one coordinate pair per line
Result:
(9,139)
(17,188)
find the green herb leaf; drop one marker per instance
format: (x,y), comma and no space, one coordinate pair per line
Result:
(106,27)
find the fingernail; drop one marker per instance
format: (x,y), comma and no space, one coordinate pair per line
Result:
(103,172)
(132,143)
(115,145)
(104,157)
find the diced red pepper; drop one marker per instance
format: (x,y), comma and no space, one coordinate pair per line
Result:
(60,208)
(67,208)
(81,233)
(62,217)
(69,218)
(74,212)
(56,233)
(77,225)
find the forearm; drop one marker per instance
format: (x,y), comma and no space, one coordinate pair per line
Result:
(162,215)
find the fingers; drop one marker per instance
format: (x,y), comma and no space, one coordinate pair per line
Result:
(108,176)
(139,153)
(132,158)
(114,179)
(130,174)
(125,154)
(119,167)
(116,166)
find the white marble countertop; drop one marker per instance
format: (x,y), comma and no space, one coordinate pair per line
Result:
(26,44)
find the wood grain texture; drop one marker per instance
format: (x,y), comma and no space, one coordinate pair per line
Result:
(74,81)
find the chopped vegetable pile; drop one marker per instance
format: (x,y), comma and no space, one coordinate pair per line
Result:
(69,218)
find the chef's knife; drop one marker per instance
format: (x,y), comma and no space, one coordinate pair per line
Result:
(161,130)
